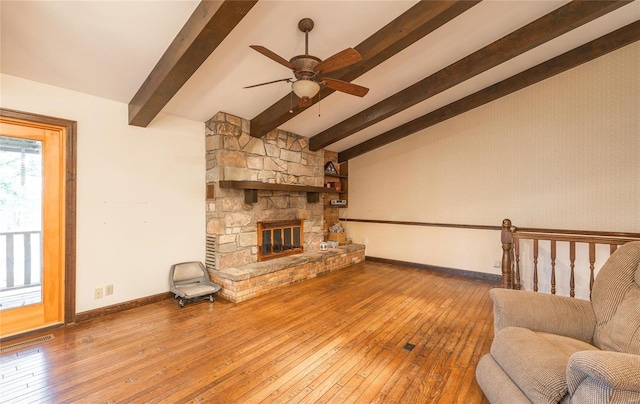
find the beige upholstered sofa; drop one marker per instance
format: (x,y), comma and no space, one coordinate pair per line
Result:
(550,349)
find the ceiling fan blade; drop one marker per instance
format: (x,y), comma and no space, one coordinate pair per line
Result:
(273,56)
(345,87)
(269,82)
(304,102)
(338,61)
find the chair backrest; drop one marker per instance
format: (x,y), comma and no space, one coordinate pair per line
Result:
(616,301)
(187,271)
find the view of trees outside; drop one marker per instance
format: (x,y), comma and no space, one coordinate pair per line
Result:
(20,205)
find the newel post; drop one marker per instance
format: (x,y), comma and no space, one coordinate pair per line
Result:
(507,255)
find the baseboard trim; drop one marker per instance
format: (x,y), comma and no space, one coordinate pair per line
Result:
(131,304)
(452,271)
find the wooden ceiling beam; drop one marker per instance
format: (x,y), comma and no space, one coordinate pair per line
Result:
(414,24)
(207,27)
(582,54)
(550,26)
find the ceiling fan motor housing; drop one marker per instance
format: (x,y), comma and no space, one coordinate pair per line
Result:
(304,66)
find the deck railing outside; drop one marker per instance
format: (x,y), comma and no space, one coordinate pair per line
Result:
(20,259)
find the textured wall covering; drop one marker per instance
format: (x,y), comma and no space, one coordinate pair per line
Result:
(564,153)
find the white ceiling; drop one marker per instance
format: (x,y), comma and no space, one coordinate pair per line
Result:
(108,48)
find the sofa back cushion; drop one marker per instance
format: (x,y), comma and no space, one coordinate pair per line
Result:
(616,301)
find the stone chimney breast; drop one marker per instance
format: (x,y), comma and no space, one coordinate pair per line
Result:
(279,157)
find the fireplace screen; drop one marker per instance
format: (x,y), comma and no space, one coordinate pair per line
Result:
(277,239)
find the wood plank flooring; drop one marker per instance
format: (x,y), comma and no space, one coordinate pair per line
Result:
(344,337)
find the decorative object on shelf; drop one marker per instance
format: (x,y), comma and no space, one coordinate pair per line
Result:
(329,168)
(323,246)
(336,228)
(336,234)
(333,184)
(340,238)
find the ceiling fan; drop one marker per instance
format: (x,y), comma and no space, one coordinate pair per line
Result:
(309,70)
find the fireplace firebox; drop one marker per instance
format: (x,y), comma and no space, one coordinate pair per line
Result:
(280,238)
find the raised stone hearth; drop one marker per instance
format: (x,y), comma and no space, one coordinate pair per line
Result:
(252,280)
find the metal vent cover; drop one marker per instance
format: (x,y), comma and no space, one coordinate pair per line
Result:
(26,343)
(408,347)
(210,260)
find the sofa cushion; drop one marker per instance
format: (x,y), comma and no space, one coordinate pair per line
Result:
(496,385)
(536,361)
(622,332)
(615,293)
(604,377)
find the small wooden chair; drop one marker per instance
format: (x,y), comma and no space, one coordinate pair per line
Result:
(189,281)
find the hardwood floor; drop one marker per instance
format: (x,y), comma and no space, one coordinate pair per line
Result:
(339,338)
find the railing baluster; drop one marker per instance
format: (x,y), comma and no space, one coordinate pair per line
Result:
(10,275)
(506,264)
(553,267)
(27,258)
(535,265)
(516,245)
(592,265)
(572,259)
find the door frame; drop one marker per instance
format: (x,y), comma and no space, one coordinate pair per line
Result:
(70,161)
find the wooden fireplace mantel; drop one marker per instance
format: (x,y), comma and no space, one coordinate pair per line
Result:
(251,188)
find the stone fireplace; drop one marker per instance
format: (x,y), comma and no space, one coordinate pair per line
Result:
(278,158)
(263,195)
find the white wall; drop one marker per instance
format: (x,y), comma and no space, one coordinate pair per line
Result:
(140,191)
(563,153)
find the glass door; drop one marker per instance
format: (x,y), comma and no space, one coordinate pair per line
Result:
(21,224)
(31,227)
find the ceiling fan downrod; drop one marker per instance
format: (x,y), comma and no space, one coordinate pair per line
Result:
(306,25)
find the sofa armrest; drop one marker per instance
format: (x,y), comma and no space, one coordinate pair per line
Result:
(543,312)
(604,374)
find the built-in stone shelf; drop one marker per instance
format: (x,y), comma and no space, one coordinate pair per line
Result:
(251,188)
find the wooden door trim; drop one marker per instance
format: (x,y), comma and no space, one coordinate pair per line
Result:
(70,128)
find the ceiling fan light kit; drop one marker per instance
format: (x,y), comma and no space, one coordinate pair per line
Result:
(307,69)
(305,88)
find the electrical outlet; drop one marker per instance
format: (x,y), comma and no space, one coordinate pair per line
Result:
(496,264)
(108,290)
(98,293)
(365,241)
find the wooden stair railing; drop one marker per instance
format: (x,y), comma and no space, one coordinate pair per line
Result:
(511,237)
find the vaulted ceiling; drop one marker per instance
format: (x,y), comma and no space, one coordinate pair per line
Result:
(424,62)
